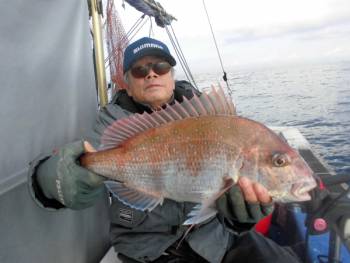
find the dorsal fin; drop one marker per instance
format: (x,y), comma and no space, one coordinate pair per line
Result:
(214,102)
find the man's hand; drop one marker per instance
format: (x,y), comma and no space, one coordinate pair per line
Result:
(245,202)
(61,178)
(254,192)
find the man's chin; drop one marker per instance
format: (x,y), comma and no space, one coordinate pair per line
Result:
(156,100)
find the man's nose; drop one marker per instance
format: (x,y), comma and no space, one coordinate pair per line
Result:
(151,74)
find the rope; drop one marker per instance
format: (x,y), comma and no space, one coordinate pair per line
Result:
(217,50)
(176,51)
(176,45)
(150,33)
(181,57)
(135,27)
(132,30)
(181,54)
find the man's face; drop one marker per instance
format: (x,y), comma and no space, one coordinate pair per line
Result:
(154,89)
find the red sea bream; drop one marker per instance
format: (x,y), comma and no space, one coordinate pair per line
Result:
(195,151)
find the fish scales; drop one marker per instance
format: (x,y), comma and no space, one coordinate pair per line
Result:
(202,149)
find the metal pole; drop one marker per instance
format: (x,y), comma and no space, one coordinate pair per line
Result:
(99,56)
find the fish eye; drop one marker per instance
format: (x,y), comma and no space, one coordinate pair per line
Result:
(280,160)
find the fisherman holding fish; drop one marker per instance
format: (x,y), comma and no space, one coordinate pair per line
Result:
(175,162)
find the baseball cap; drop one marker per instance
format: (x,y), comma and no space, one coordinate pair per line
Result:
(146,46)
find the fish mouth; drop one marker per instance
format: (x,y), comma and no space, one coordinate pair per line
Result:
(301,190)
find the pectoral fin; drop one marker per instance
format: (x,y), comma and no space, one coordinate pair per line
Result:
(199,214)
(202,212)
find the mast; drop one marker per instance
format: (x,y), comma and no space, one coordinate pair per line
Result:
(95,12)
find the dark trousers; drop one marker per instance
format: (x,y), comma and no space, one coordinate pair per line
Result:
(248,247)
(254,247)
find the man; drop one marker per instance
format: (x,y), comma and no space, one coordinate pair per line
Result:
(58,181)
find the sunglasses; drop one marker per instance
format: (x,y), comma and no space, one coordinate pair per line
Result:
(160,68)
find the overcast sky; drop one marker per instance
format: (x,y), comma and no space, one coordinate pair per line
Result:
(255,32)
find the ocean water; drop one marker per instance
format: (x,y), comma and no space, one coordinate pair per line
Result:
(315,98)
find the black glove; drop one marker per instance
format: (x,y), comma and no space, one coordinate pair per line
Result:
(233,206)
